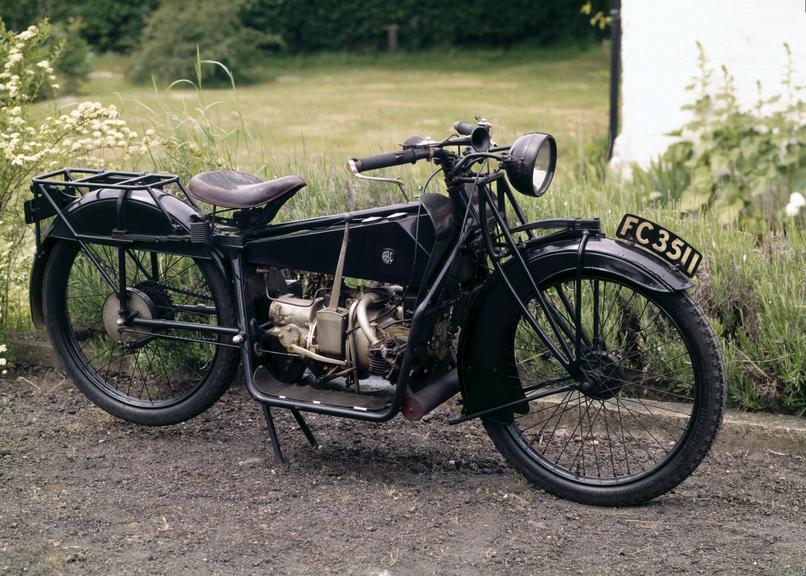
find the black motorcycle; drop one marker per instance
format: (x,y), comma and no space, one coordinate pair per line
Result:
(592,370)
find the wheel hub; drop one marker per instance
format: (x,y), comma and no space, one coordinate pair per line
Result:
(138,303)
(605,374)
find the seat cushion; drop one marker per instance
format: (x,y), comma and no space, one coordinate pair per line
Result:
(231,189)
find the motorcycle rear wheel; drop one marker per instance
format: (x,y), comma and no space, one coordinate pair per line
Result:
(147,376)
(651,410)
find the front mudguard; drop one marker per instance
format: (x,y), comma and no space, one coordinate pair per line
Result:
(96,214)
(482,382)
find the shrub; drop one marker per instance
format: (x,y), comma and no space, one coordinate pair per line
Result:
(62,46)
(115,24)
(75,60)
(30,142)
(333,25)
(745,164)
(180,30)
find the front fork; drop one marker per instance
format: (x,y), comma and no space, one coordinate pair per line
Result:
(570,359)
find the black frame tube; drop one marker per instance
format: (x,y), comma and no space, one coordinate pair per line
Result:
(178,325)
(615,73)
(486,203)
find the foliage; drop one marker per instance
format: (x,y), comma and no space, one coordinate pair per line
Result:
(598,18)
(75,60)
(115,24)
(179,30)
(744,164)
(19,15)
(29,143)
(331,25)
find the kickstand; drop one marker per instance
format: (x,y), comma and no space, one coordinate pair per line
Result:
(275,442)
(303,425)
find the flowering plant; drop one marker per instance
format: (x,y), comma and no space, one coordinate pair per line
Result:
(796,202)
(27,146)
(742,162)
(89,134)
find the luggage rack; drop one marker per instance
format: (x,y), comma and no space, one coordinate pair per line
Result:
(55,191)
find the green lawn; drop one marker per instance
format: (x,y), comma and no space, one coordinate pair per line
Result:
(341,106)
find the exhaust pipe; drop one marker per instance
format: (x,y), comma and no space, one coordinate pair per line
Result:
(439,390)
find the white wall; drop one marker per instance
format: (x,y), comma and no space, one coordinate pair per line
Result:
(659,58)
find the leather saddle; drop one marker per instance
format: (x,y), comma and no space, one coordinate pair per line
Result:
(231,189)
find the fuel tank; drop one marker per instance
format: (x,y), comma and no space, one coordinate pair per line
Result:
(384,245)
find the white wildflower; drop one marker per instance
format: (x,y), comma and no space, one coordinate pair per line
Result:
(27,34)
(797,199)
(796,202)
(3,348)
(44,64)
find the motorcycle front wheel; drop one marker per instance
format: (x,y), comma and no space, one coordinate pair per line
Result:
(650,406)
(145,375)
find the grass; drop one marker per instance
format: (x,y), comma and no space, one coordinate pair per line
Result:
(337,107)
(310,114)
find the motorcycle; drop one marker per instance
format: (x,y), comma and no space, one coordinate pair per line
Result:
(594,373)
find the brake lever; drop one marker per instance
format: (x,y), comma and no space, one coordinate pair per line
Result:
(396,181)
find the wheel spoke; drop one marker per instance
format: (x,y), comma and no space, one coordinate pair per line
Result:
(638,403)
(148,369)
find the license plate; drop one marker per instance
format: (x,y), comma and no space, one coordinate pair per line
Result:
(661,241)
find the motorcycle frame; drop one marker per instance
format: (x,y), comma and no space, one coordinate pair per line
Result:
(198,238)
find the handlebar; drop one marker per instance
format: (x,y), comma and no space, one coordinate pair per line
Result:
(464,128)
(477,136)
(408,156)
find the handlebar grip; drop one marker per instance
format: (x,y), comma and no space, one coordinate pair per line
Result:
(409,156)
(464,128)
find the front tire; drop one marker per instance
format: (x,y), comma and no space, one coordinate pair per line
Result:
(147,376)
(649,411)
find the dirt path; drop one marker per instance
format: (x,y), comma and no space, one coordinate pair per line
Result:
(83,493)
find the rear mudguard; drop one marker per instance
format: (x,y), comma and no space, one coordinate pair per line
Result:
(95,214)
(482,384)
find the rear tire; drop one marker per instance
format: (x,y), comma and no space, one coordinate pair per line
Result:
(158,381)
(570,456)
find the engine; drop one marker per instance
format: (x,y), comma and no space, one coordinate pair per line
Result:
(363,332)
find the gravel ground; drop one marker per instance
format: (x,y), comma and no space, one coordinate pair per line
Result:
(84,493)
